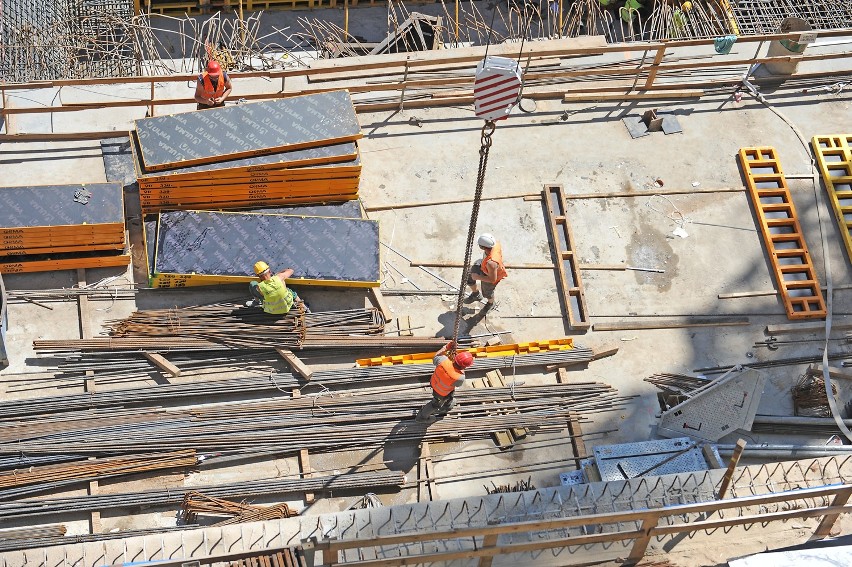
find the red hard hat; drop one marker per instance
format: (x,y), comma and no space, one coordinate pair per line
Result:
(463,360)
(213,68)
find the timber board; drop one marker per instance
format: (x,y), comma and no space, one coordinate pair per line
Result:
(261,177)
(77,234)
(246,130)
(48,263)
(334,154)
(309,187)
(7,252)
(252,204)
(54,205)
(321,250)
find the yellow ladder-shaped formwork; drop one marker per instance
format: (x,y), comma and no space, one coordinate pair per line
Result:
(834,155)
(782,234)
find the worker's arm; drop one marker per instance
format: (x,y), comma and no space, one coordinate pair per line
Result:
(441,354)
(228,88)
(284,274)
(460,382)
(199,94)
(490,277)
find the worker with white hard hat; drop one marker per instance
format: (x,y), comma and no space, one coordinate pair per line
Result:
(271,291)
(489,270)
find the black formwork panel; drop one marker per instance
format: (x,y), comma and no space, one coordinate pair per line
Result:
(205,247)
(118,160)
(54,205)
(345,210)
(247,130)
(345,153)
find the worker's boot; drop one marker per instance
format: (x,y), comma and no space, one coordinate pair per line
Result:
(425,413)
(473,297)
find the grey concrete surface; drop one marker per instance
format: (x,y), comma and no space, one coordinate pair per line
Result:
(589,152)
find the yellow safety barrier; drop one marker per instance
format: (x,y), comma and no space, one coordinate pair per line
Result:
(478,352)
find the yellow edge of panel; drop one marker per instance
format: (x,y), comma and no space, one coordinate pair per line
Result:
(478,352)
(845,233)
(190,280)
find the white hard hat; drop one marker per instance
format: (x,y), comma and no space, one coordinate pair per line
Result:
(486,240)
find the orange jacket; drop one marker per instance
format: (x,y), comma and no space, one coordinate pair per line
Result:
(207,85)
(445,377)
(496,254)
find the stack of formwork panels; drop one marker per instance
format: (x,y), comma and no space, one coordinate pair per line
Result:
(55,227)
(193,248)
(293,150)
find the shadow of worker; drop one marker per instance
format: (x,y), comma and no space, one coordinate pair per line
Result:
(402,445)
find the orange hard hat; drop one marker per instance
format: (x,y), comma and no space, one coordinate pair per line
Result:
(463,360)
(213,68)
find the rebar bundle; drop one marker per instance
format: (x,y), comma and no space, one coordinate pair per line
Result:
(246,489)
(196,503)
(324,422)
(16,483)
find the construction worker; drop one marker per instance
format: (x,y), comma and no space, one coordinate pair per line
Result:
(213,87)
(448,375)
(490,270)
(271,290)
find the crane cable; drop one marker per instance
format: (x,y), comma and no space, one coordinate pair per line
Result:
(485,147)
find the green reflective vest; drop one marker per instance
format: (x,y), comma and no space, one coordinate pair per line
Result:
(277,299)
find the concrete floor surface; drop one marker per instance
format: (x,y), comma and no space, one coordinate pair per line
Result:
(589,152)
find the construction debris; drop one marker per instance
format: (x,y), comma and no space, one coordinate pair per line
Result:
(195,504)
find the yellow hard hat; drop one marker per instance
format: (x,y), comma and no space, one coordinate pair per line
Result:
(687,6)
(260,267)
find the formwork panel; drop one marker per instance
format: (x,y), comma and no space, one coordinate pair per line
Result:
(247,130)
(225,246)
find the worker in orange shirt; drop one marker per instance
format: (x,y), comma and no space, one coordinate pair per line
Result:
(448,375)
(490,270)
(213,87)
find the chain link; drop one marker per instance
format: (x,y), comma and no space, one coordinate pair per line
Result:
(487,132)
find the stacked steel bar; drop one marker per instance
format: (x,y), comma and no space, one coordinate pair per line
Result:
(287,426)
(31,480)
(51,227)
(230,326)
(293,150)
(48,540)
(248,489)
(195,503)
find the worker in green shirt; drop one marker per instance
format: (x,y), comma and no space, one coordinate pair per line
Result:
(276,297)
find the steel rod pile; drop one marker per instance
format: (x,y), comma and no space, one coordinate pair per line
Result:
(52,540)
(196,503)
(18,482)
(247,489)
(324,422)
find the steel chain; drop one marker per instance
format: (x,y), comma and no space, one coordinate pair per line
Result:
(487,132)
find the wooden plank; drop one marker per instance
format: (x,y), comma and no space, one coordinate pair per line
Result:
(378,301)
(160,362)
(639,324)
(834,156)
(495,379)
(768,293)
(424,462)
(26,264)
(795,275)
(305,467)
(634,95)
(562,245)
(732,465)
(296,363)
(416,264)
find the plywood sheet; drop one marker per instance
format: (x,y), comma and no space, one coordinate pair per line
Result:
(61,262)
(54,205)
(247,130)
(320,249)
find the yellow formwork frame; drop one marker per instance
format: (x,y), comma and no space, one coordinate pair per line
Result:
(834,154)
(478,352)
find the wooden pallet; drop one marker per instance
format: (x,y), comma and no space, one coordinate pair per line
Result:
(782,235)
(562,245)
(291,557)
(834,156)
